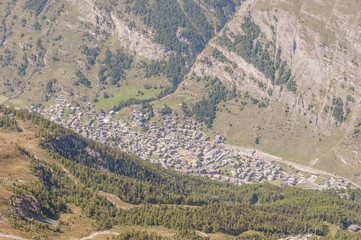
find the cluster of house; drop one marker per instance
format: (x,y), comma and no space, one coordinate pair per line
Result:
(179,143)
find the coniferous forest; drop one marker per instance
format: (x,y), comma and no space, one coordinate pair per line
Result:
(160,194)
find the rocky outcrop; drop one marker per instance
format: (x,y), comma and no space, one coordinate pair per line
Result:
(29,207)
(26,205)
(129,38)
(137,42)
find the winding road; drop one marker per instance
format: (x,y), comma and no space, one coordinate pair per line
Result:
(301,167)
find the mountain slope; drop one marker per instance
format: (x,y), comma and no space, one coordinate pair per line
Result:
(95,50)
(295,67)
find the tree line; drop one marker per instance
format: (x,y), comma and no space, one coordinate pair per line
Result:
(9,122)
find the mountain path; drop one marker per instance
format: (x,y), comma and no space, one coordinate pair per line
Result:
(10,236)
(94,234)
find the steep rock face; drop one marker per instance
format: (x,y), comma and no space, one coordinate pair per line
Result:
(129,38)
(137,42)
(318,40)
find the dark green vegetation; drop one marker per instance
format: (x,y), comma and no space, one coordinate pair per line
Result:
(338,109)
(92,53)
(265,57)
(82,79)
(113,65)
(139,235)
(219,55)
(166,110)
(36,5)
(50,86)
(168,17)
(55,189)
(10,123)
(271,211)
(205,109)
(187,112)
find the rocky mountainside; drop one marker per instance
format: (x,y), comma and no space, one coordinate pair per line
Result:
(320,42)
(85,50)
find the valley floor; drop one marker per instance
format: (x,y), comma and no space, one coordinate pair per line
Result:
(181,144)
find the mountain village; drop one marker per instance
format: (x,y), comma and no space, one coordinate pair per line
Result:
(178,143)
